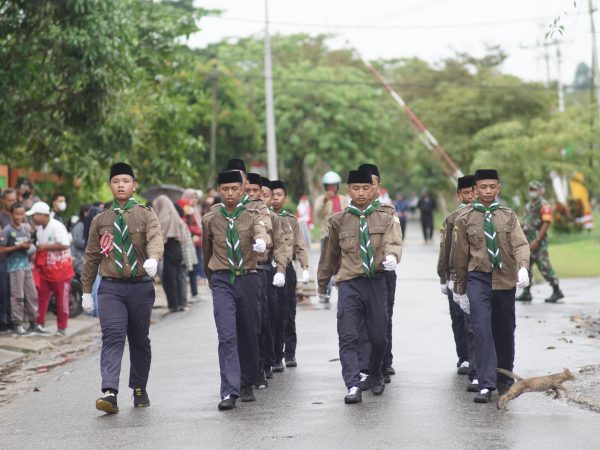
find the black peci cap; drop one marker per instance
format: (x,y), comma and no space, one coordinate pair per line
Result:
(254,178)
(467,181)
(278,184)
(236,164)
(265,182)
(486,174)
(360,176)
(370,168)
(229,176)
(121,168)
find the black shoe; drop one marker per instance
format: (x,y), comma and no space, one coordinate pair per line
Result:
(353,396)
(365,382)
(262,382)
(390,371)
(246,394)
(556,296)
(463,369)
(140,398)
(503,386)
(378,386)
(525,296)
(386,378)
(226,404)
(268,373)
(108,403)
(483,397)
(473,386)
(279,367)
(291,362)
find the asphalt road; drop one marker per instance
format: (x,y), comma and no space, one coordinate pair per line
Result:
(425,406)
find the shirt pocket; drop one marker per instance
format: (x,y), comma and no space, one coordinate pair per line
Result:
(348,240)
(376,235)
(246,237)
(475,236)
(138,237)
(504,241)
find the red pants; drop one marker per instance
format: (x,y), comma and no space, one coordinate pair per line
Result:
(61,291)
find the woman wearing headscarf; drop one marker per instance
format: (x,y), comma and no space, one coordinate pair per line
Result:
(190,253)
(173,232)
(194,223)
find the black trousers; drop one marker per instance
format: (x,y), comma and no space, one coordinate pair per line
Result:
(236,309)
(273,313)
(361,301)
(427,226)
(265,339)
(459,329)
(125,309)
(174,277)
(493,320)
(291,338)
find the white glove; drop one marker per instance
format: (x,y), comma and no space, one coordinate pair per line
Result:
(279,280)
(150,266)
(522,278)
(451,285)
(390,263)
(463,301)
(305,276)
(87,302)
(260,246)
(444,288)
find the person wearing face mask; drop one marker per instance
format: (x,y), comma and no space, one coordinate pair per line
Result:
(59,205)
(537,220)
(25,193)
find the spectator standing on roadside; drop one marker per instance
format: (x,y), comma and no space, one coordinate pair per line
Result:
(193,220)
(7,198)
(402,209)
(59,206)
(54,265)
(79,241)
(16,241)
(25,192)
(304,215)
(427,207)
(173,231)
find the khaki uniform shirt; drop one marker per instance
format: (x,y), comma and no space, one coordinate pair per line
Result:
(250,227)
(470,251)
(340,255)
(277,251)
(146,237)
(444,268)
(294,242)
(263,212)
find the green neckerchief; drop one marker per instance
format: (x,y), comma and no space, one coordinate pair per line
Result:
(462,205)
(366,251)
(491,238)
(282,213)
(234,248)
(245,200)
(122,238)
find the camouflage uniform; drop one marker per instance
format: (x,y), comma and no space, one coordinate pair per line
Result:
(536,213)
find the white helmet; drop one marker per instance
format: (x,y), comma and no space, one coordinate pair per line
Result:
(331,178)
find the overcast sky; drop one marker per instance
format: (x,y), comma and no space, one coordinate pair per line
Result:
(428,29)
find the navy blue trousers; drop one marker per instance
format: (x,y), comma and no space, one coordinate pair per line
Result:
(459,329)
(291,338)
(493,320)
(362,301)
(125,309)
(364,347)
(265,339)
(236,309)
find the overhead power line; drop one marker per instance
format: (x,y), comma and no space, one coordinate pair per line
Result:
(406,26)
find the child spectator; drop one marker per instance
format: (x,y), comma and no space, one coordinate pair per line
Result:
(16,238)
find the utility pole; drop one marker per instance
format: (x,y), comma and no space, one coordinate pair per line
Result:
(214,77)
(270,116)
(595,78)
(561,92)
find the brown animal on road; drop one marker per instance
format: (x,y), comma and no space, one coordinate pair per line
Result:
(551,382)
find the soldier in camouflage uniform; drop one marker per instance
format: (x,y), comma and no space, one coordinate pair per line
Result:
(537,220)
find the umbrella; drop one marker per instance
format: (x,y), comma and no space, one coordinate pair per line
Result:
(172,191)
